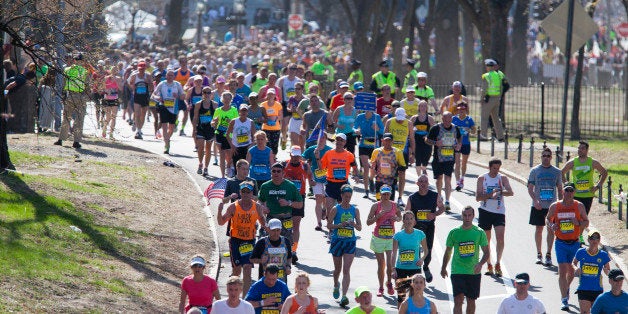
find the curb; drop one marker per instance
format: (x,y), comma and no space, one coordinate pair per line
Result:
(615,259)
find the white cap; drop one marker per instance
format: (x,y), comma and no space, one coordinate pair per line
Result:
(197,261)
(274,224)
(400,114)
(295,151)
(421,75)
(341,135)
(410,89)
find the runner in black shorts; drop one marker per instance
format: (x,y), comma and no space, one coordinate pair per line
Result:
(422,122)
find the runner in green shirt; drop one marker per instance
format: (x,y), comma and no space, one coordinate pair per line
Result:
(222,117)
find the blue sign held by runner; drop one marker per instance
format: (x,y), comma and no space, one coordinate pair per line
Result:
(365,101)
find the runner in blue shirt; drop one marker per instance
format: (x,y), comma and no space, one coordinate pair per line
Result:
(319,177)
(588,264)
(466,125)
(370,126)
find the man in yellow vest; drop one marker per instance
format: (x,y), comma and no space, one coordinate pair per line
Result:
(384,76)
(356,72)
(492,91)
(410,78)
(75,89)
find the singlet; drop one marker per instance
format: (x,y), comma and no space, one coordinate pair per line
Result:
(241,135)
(272,112)
(141,88)
(346,121)
(423,205)
(296,174)
(166,91)
(293,102)
(111,89)
(411,107)
(400,133)
(320,175)
(243,224)
(276,255)
(463,125)
(311,119)
(421,129)
(288,87)
(386,163)
(385,225)
(493,205)
(260,164)
(195,97)
(224,117)
(182,76)
(445,153)
(367,138)
(205,115)
(309,309)
(567,230)
(337,165)
(425,309)
(583,177)
(254,114)
(344,214)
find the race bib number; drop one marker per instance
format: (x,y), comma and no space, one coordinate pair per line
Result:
(245,249)
(370,141)
(421,215)
(447,151)
(141,90)
(320,173)
(567,226)
(260,169)
(169,103)
(242,139)
(590,269)
(287,224)
(466,249)
(582,186)
(386,231)
(385,169)
(280,274)
(406,256)
(340,173)
(546,194)
(271,122)
(270,311)
(421,127)
(345,233)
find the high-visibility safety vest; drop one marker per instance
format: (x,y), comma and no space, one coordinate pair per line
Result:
(494,81)
(76,78)
(410,80)
(381,80)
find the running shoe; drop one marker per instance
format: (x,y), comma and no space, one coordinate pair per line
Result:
(489,271)
(428,275)
(391,290)
(498,270)
(336,293)
(200,169)
(539,259)
(400,202)
(380,292)
(59,142)
(111,136)
(167,150)
(458,186)
(447,206)
(344,301)
(138,136)
(548,260)
(294,257)
(318,228)
(366,195)
(565,304)
(76,145)
(205,173)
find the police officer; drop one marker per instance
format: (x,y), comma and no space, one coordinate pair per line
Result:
(492,92)
(384,76)
(75,87)
(410,78)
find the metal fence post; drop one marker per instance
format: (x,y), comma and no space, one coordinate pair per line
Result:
(531,152)
(520,148)
(479,140)
(542,109)
(544,144)
(567,160)
(492,146)
(619,211)
(599,192)
(558,155)
(506,145)
(610,195)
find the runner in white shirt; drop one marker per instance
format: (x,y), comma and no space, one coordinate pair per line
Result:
(521,302)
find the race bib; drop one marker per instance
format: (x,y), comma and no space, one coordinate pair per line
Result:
(421,127)
(421,215)
(242,139)
(546,194)
(260,169)
(141,90)
(280,274)
(447,151)
(590,269)
(370,141)
(271,311)
(466,249)
(406,256)
(205,119)
(567,226)
(345,232)
(271,122)
(582,186)
(245,249)
(386,231)
(320,173)
(287,224)
(340,173)
(169,103)
(385,169)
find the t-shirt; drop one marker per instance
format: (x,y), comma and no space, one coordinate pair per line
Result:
(383,107)
(607,303)
(409,245)
(259,291)
(529,305)
(358,310)
(199,293)
(366,129)
(221,307)
(545,181)
(224,117)
(308,154)
(271,193)
(591,267)
(466,244)
(464,126)
(338,165)
(166,91)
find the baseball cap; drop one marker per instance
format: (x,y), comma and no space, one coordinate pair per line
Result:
(400,114)
(456,83)
(410,89)
(462,105)
(271,91)
(141,64)
(421,75)
(383,63)
(410,62)
(252,94)
(490,62)
(616,274)
(274,224)
(343,84)
(522,278)
(197,260)
(246,185)
(355,62)
(341,135)
(569,185)
(358,85)
(592,232)
(220,79)
(385,189)
(198,78)
(243,107)
(157,73)
(272,268)
(361,289)
(387,136)
(346,188)
(295,151)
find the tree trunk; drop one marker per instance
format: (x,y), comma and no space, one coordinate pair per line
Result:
(575,111)
(5,159)
(23,103)
(499,30)
(518,60)
(447,31)
(471,73)
(174,22)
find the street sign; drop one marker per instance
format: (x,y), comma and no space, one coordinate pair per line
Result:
(555,25)
(365,101)
(622,29)
(295,21)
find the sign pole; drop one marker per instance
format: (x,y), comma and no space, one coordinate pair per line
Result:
(566,77)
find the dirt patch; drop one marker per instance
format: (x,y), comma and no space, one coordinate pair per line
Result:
(159,204)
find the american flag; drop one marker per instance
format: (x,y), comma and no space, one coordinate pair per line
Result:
(319,129)
(216,189)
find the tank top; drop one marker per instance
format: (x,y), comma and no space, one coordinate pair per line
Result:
(345,233)
(297,175)
(182,76)
(385,225)
(272,112)
(288,87)
(195,97)
(425,309)
(111,89)
(493,205)
(346,121)
(241,135)
(141,88)
(205,115)
(567,230)
(260,165)
(421,128)
(399,132)
(243,224)
(254,114)
(293,102)
(448,137)
(386,165)
(583,177)
(277,255)
(423,205)
(411,107)
(310,309)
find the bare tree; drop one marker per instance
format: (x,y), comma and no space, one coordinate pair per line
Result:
(447,31)
(518,57)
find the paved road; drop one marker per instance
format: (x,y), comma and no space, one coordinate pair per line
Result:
(519,253)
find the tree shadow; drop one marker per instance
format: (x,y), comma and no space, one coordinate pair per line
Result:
(44,210)
(314,270)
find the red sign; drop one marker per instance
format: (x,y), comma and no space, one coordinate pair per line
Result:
(622,29)
(295,21)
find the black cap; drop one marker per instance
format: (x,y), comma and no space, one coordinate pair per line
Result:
(355,62)
(522,278)
(255,65)
(387,135)
(272,268)
(277,165)
(410,62)
(157,73)
(616,274)
(383,63)
(569,185)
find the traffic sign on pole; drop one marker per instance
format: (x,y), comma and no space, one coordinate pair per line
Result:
(295,22)
(622,29)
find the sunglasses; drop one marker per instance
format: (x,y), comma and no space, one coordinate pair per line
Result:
(276,171)
(207,93)
(245,191)
(348,98)
(197,266)
(594,238)
(570,190)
